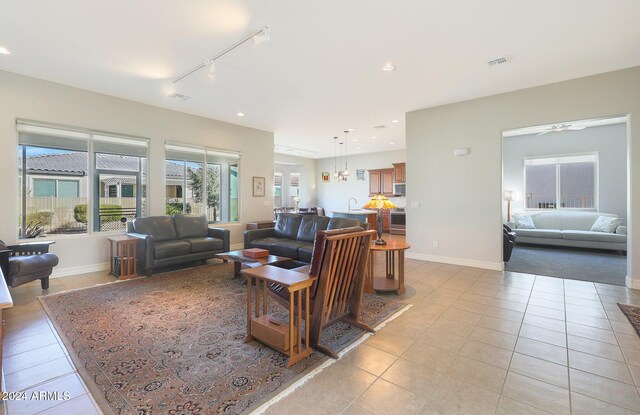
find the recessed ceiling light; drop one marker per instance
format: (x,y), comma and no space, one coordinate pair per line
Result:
(394,120)
(349,129)
(4,51)
(358,148)
(392,143)
(373,136)
(355,139)
(240,114)
(388,67)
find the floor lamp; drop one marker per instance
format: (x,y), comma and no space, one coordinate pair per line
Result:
(509,196)
(379,202)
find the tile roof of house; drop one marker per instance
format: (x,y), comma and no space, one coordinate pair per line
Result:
(76,164)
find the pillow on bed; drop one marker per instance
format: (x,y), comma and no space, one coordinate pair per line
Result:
(524,222)
(606,224)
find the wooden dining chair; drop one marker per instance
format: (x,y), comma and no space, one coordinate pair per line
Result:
(339,261)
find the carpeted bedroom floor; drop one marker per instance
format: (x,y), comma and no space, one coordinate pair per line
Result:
(607,267)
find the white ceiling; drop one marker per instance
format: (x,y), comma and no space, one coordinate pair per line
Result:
(321,71)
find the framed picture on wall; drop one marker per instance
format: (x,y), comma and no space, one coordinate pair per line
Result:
(360,174)
(258,186)
(325,177)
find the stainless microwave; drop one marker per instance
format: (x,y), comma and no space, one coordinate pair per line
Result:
(399,189)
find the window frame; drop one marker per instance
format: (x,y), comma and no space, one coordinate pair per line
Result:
(89,136)
(560,159)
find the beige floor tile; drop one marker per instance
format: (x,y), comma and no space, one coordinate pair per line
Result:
(539,394)
(419,379)
(404,328)
(498,324)
(430,356)
(505,314)
(617,393)
(545,312)
(541,302)
(623,327)
(487,353)
(509,305)
(480,299)
(443,339)
(341,380)
(592,333)
(477,373)
(370,359)
(601,323)
(469,306)
(456,327)
(542,350)
(508,406)
(494,337)
(31,358)
(13,346)
(69,383)
(577,310)
(543,370)
(390,342)
(354,409)
(585,405)
(385,398)
(635,373)
(26,378)
(600,366)
(607,350)
(305,401)
(453,397)
(629,341)
(631,356)
(545,322)
(543,335)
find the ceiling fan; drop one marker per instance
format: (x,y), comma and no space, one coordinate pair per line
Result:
(561,127)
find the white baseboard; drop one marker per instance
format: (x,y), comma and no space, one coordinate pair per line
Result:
(81,269)
(632,283)
(496,266)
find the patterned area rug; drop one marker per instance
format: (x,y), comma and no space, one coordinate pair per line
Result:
(633,314)
(173,343)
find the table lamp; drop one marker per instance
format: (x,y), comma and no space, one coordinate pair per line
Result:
(509,196)
(379,202)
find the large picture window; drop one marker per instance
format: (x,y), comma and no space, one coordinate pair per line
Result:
(562,182)
(277,190)
(202,181)
(77,181)
(294,188)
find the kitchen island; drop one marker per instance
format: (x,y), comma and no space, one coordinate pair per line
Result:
(364,215)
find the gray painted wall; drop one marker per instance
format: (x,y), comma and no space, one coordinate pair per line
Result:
(610,141)
(460,198)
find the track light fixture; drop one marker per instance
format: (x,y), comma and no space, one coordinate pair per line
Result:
(259,36)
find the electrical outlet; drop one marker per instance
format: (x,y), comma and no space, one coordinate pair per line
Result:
(436,244)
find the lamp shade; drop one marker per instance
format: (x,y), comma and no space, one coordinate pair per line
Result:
(510,195)
(379,202)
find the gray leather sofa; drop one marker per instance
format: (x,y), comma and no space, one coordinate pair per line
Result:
(177,239)
(293,234)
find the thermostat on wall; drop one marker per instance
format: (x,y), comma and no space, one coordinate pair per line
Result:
(461,151)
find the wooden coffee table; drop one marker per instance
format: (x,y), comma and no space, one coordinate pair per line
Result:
(389,282)
(240,260)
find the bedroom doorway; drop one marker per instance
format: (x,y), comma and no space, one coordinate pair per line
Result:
(565,200)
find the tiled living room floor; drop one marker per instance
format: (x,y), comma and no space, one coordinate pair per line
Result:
(475,342)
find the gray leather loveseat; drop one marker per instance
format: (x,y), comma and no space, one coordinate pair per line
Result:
(293,234)
(177,239)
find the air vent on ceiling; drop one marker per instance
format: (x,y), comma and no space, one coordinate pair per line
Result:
(498,61)
(180,97)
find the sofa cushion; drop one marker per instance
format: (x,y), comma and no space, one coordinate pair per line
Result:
(606,224)
(190,226)
(594,236)
(205,244)
(287,225)
(539,233)
(170,249)
(161,227)
(309,225)
(305,252)
(524,222)
(262,243)
(286,247)
(340,223)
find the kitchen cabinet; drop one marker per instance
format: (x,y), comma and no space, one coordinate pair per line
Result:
(381,181)
(386,220)
(399,172)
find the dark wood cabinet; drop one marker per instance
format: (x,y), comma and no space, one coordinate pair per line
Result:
(381,181)
(386,220)
(399,172)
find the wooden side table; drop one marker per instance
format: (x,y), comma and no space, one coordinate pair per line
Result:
(123,248)
(285,338)
(389,282)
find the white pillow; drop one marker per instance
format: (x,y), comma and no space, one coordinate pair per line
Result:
(606,224)
(524,222)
